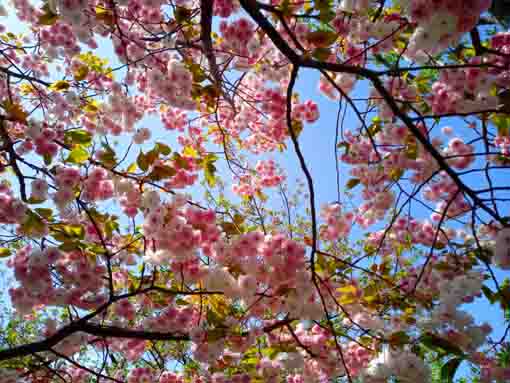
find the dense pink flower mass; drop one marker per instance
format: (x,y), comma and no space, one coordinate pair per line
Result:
(152,227)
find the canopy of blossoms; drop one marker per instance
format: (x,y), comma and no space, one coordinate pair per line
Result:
(114,113)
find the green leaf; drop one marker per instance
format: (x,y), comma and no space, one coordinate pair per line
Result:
(273,352)
(81,72)
(162,148)
(96,249)
(104,15)
(238,219)
(108,156)
(43,212)
(375,127)
(449,369)
(48,17)
(71,246)
(78,156)
(213,318)
(326,15)
(502,123)
(209,171)
(252,361)
(197,72)
(439,344)
(353,182)
(321,39)
(190,151)
(47,159)
(230,228)
(399,338)
(142,161)
(181,302)
(207,163)
(182,14)
(4,252)
(180,161)
(412,151)
(162,172)
(131,168)
(33,224)
(346,146)
(321,264)
(396,174)
(67,233)
(60,86)
(33,200)
(297,127)
(110,226)
(325,8)
(74,231)
(80,137)
(483,255)
(489,294)
(321,54)
(145,160)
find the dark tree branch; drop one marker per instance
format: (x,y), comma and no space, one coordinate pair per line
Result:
(24,77)
(303,165)
(9,145)
(206,13)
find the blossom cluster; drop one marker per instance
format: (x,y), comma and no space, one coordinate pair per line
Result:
(266,175)
(81,279)
(12,210)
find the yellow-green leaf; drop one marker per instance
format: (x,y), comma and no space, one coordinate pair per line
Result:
(348,295)
(108,156)
(321,39)
(48,17)
(15,112)
(131,168)
(399,338)
(162,172)
(91,107)
(81,72)
(180,161)
(4,252)
(60,86)
(350,289)
(449,369)
(142,161)
(44,212)
(353,182)
(502,123)
(189,151)
(209,171)
(230,228)
(162,148)
(33,224)
(297,128)
(396,174)
(78,155)
(104,15)
(81,137)
(321,54)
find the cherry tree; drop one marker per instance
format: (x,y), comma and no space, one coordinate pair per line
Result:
(143,236)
